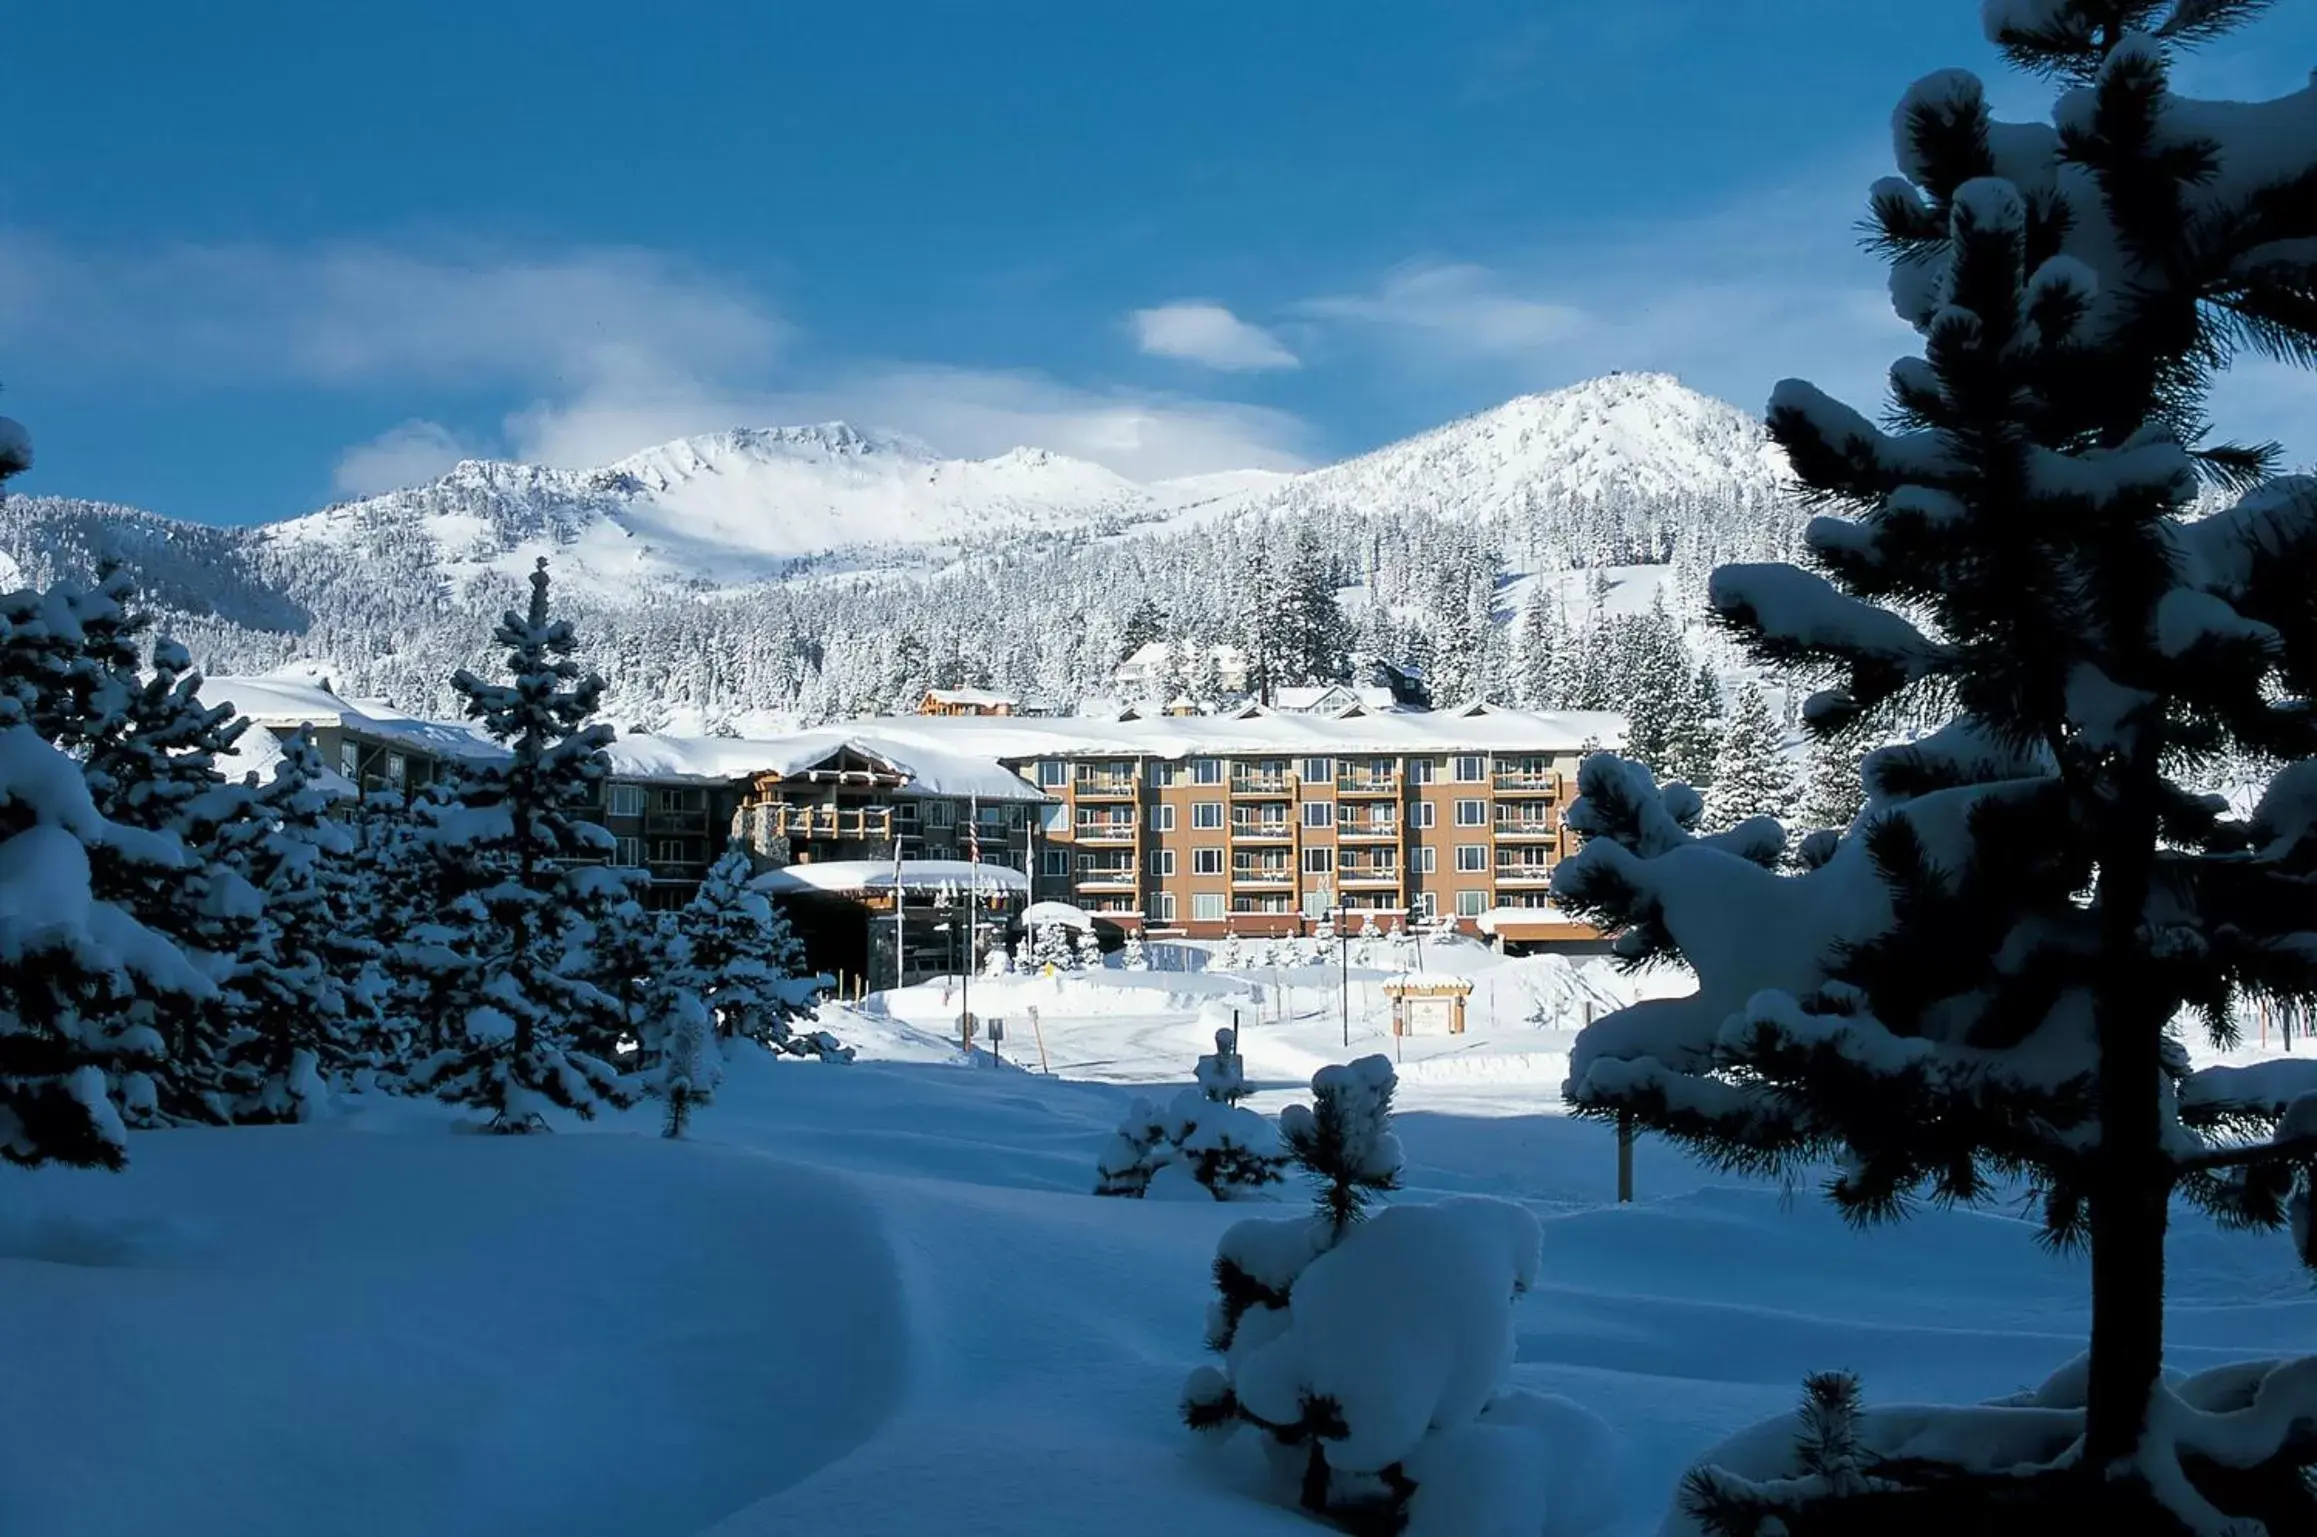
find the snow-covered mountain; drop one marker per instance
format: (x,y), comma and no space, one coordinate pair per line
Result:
(849,566)
(730,508)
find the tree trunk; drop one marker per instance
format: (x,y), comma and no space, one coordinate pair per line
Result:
(2132,1179)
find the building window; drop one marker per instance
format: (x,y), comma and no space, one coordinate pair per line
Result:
(1472,856)
(1319,813)
(1162,773)
(1427,902)
(670,851)
(626,801)
(1316,769)
(1207,906)
(1206,813)
(1162,907)
(1206,771)
(940,813)
(1161,861)
(1206,861)
(905,813)
(1380,816)
(1317,901)
(1057,818)
(1471,769)
(1421,771)
(349,759)
(1472,813)
(1427,860)
(1053,861)
(1315,861)
(628,852)
(1471,904)
(1162,819)
(1053,773)
(1421,814)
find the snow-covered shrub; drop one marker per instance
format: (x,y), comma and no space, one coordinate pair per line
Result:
(686,1064)
(1089,951)
(1131,956)
(1203,1146)
(1368,1352)
(1051,948)
(1230,954)
(998,962)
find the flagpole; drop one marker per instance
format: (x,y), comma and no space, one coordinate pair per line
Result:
(973,895)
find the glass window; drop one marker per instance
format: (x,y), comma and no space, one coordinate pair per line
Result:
(1427,902)
(1381,816)
(1162,819)
(1426,860)
(1421,771)
(1471,904)
(1207,771)
(1319,813)
(1162,861)
(1317,769)
(1206,861)
(1472,856)
(1317,902)
(1207,905)
(349,759)
(1162,907)
(1420,814)
(1206,813)
(1315,861)
(1471,768)
(1162,773)
(940,813)
(1472,813)
(627,800)
(1053,861)
(1053,773)
(628,852)
(1057,818)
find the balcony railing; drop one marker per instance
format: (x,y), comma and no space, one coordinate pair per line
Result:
(1260,784)
(1353,831)
(1526,827)
(1523,874)
(1109,830)
(783,820)
(1262,875)
(1107,879)
(1279,831)
(1105,787)
(1367,784)
(1528,782)
(1369,875)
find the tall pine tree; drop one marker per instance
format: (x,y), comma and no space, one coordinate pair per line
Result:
(1751,777)
(1985,982)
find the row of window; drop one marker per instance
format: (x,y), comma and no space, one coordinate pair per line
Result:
(1214,906)
(1316,815)
(631,852)
(1463,768)
(1160,863)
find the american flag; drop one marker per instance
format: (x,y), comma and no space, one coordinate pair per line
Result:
(973,836)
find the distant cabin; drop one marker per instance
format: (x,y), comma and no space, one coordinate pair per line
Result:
(966,701)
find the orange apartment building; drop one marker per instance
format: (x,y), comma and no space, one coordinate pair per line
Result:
(1263,823)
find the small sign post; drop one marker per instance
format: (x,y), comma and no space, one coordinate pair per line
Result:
(997,1035)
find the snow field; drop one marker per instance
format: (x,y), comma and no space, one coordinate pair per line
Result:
(879,1299)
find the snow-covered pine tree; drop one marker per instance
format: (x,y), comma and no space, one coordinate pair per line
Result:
(516,828)
(306,995)
(1831,794)
(679,1042)
(625,950)
(1697,731)
(1750,775)
(1139,1150)
(743,960)
(1343,1140)
(1089,951)
(1131,956)
(1655,688)
(1983,984)
(417,920)
(1537,656)
(1051,947)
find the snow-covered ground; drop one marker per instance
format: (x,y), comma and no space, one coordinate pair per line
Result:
(878,1299)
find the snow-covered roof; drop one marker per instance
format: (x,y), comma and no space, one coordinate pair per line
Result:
(930,768)
(975,696)
(1017,738)
(284,704)
(1057,912)
(851,876)
(1497,919)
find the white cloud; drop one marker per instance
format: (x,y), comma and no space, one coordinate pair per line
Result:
(410,454)
(969,413)
(1456,307)
(1196,331)
(354,315)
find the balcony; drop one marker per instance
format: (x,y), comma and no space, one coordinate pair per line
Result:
(1527,782)
(783,820)
(1109,830)
(1368,875)
(1259,785)
(1367,784)
(1112,878)
(1262,875)
(1529,829)
(1262,832)
(1367,832)
(1105,787)
(1523,874)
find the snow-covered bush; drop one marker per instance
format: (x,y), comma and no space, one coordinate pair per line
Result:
(686,1064)
(742,960)
(998,962)
(1203,1146)
(1089,950)
(1131,956)
(1050,947)
(1230,953)
(1369,1352)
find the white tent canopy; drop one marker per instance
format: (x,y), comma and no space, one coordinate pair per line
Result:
(1039,914)
(851,877)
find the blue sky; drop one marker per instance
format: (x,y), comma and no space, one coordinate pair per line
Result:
(257,257)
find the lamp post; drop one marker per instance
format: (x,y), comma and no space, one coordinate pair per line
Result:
(1343,950)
